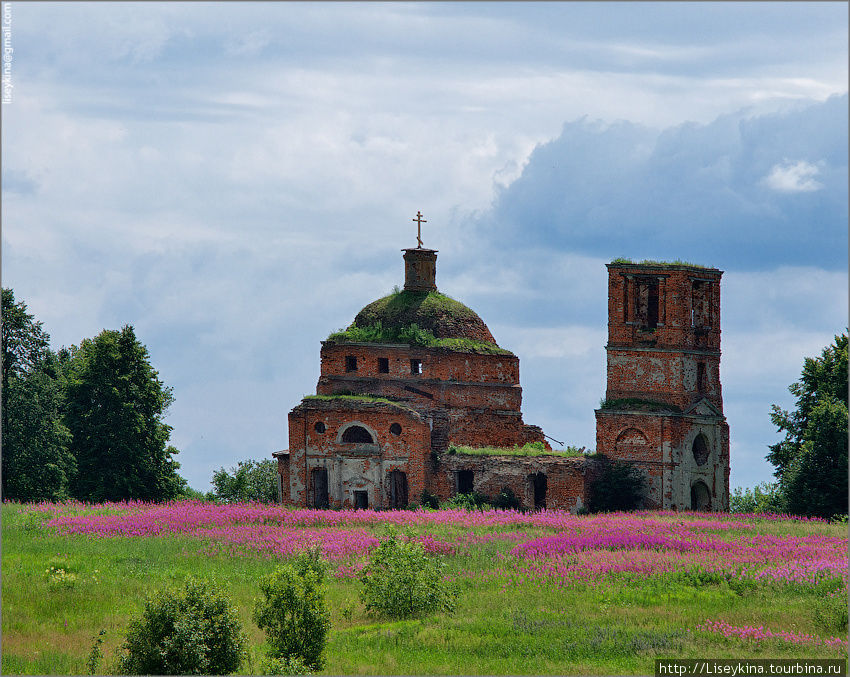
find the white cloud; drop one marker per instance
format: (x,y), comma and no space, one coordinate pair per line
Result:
(797,177)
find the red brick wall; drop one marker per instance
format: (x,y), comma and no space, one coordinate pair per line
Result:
(352,466)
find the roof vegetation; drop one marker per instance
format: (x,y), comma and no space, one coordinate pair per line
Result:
(529,449)
(413,335)
(653,262)
(637,404)
(356,398)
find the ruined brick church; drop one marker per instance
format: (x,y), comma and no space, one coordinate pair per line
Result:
(388,412)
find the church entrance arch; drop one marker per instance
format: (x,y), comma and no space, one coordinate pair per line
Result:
(700,497)
(319,478)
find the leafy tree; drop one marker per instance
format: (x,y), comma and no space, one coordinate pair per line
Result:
(618,486)
(811,462)
(115,403)
(763,498)
(294,614)
(193,631)
(37,464)
(401,581)
(249,481)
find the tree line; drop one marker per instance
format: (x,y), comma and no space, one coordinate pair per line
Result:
(84,422)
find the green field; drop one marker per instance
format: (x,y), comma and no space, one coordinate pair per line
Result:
(506,622)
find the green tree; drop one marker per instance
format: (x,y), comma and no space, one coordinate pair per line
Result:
(37,464)
(811,462)
(293,612)
(115,405)
(618,486)
(249,481)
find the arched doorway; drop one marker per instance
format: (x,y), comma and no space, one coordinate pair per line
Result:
(700,497)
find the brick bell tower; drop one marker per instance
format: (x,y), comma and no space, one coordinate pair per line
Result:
(663,408)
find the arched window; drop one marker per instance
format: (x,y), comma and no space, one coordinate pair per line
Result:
(357,434)
(700,449)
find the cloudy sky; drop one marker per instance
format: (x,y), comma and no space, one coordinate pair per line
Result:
(236,180)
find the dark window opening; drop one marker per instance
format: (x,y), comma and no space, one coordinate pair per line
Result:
(395,429)
(465,481)
(351,363)
(320,487)
(357,435)
(415,366)
(701,377)
(700,497)
(646,305)
(383,365)
(398,489)
(361,500)
(700,449)
(539,485)
(700,304)
(319,427)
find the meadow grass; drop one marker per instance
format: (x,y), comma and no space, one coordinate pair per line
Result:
(507,622)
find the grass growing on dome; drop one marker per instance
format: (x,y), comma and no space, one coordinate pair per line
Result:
(414,335)
(528,449)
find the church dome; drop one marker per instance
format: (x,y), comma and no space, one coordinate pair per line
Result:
(430,310)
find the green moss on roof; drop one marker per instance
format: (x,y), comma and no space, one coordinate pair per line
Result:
(356,398)
(428,319)
(530,449)
(637,404)
(653,262)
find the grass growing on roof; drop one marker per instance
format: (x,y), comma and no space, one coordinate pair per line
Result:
(356,398)
(528,449)
(654,262)
(637,404)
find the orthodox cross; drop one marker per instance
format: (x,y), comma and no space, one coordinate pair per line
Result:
(419,221)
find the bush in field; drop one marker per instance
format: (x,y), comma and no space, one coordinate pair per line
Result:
(193,631)
(401,581)
(470,501)
(294,614)
(506,500)
(284,666)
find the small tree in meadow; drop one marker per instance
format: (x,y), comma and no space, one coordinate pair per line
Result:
(401,581)
(294,614)
(193,631)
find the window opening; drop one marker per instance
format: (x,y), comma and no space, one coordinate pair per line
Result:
(395,429)
(465,481)
(361,500)
(646,303)
(700,307)
(383,365)
(700,449)
(415,366)
(701,377)
(350,363)
(320,487)
(357,435)
(398,489)
(319,427)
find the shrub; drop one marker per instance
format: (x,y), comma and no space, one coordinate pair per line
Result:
(470,501)
(506,500)
(428,500)
(193,631)
(284,666)
(293,611)
(619,486)
(249,481)
(401,581)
